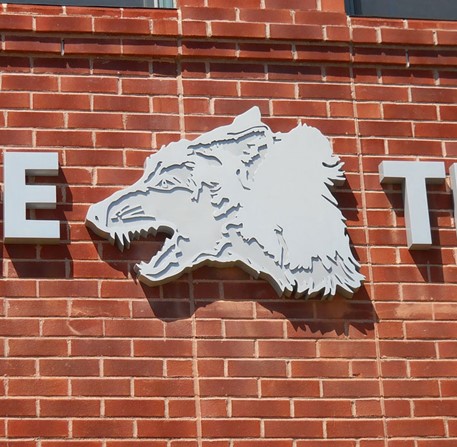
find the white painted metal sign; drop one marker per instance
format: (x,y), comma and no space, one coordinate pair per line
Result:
(242,195)
(18,196)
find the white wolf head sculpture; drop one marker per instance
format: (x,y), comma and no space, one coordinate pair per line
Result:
(242,195)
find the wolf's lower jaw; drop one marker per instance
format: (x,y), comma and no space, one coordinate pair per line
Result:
(124,239)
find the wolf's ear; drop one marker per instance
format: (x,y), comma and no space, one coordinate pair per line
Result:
(250,118)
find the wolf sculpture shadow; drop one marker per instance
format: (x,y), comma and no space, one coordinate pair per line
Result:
(240,195)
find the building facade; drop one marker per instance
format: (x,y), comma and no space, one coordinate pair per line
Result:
(90,357)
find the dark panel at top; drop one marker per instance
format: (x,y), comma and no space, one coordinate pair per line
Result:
(404,9)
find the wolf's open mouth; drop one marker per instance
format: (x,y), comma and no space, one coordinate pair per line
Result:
(123,239)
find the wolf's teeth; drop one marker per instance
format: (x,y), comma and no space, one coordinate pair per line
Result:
(119,242)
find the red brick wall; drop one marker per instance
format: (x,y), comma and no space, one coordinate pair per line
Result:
(89,358)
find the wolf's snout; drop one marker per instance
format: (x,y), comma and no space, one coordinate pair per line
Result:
(94,218)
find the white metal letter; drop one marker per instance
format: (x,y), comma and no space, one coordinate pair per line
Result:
(18,196)
(414,176)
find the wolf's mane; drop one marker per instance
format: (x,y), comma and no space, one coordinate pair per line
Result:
(290,214)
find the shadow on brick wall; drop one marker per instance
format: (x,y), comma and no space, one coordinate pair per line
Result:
(256,300)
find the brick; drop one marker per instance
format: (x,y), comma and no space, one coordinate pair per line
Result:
(209,88)
(231,429)
(134,408)
(182,408)
(13,22)
(70,367)
(32,44)
(299,108)
(103,428)
(433,95)
(100,387)
(265,52)
(411,388)
(435,407)
(347,349)
(260,408)
(61,65)
(35,119)
(257,368)
(22,82)
(63,24)
(195,13)
(409,427)
(53,138)
(225,348)
(164,348)
(121,104)
(94,121)
(38,387)
(133,328)
(430,331)
(351,388)
(91,84)
(388,128)
(319,408)
(164,387)
(445,37)
(89,47)
(364,35)
(105,308)
(37,348)
(17,367)
(150,122)
(381,93)
(227,30)
(434,58)
(43,428)
(379,56)
(149,48)
(331,91)
(69,408)
(166,429)
(289,388)
(165,27)
(126,26)
(358,428)
(194,29)
(103,347)
(60,102)
(294,428)
(32,308)
(296,32)
(132,367)
(118,67)
(319,368)
(228,387)
(435,130)
(17,407)
(407,36)
(19,327)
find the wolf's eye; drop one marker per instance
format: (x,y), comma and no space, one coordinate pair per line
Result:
(166,183)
